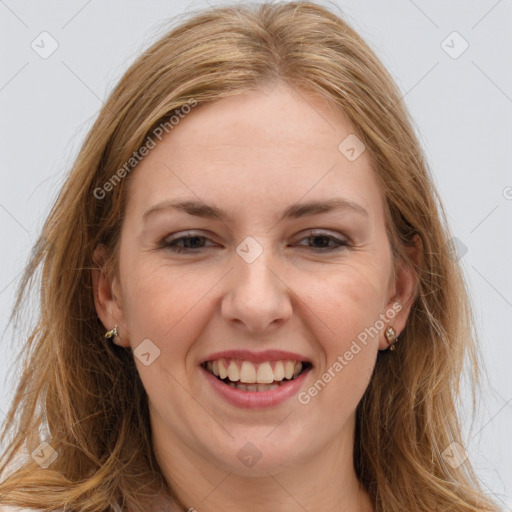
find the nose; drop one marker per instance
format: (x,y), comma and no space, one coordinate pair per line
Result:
(257,298)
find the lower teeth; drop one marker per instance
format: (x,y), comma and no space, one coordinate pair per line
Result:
(252,387)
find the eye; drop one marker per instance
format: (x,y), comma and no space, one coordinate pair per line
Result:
(322,238)
(189,243)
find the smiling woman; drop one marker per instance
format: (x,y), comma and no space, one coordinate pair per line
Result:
(262,312)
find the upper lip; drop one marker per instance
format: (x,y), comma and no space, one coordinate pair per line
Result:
(256,357)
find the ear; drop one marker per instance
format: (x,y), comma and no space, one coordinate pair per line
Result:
(107,297)
(403,289)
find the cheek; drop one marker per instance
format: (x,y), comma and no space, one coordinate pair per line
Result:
(165,304)
(348,301)
(345,322)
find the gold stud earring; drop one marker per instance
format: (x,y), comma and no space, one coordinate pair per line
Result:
(112,334)
(391,337)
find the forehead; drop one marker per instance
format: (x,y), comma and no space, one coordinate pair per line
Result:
(256,152)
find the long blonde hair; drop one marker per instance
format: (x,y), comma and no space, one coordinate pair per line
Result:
(85,394)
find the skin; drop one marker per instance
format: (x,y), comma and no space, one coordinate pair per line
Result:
(254,155)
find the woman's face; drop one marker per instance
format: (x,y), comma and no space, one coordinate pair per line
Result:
(278,256)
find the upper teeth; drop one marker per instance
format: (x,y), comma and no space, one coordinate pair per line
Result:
(250,373)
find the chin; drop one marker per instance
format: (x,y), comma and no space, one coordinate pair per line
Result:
(259,450)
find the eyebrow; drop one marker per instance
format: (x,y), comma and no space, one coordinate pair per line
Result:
(294,211)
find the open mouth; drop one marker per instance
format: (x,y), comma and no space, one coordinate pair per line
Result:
(249,376)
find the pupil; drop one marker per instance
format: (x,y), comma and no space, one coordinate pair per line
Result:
(189,241)
(321,237)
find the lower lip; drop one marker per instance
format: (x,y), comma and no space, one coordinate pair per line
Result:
(256,399)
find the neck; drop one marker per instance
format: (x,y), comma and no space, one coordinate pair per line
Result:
(325,481)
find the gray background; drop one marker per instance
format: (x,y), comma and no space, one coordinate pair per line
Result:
(462,109)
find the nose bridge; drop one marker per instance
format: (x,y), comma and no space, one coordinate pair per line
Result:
(257,295)
(254,268)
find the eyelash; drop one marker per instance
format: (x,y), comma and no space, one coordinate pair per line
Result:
(340,244)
